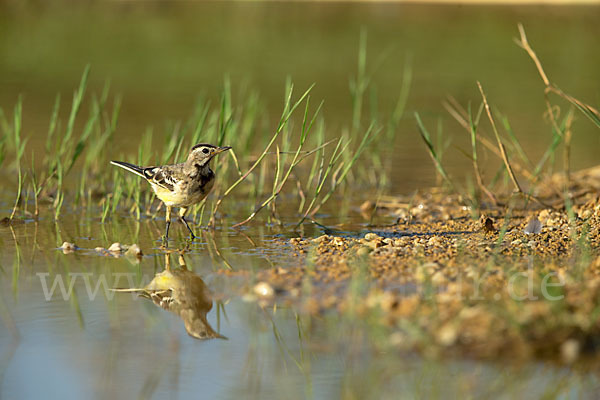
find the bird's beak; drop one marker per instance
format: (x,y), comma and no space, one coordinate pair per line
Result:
(222,149)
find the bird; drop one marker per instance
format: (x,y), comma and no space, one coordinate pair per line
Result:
(180,185)
(182,292)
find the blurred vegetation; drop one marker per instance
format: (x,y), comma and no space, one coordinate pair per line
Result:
(162,56)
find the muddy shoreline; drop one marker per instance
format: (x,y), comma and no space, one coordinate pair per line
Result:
(521,284)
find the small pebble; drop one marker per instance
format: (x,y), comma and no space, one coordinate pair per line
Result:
(264,290)
(375,244)
(570,351)
(364,251)
(438,278)
(419,248)
(388,301)
(371,236)
(544,215)
(338,241)
(533,227)
(134,250)
(447,335)
(487,224)
(401,242)
(115,247)
(585,214)
(321,239)
(68,247)
(434,240)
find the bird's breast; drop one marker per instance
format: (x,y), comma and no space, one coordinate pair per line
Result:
(186,193)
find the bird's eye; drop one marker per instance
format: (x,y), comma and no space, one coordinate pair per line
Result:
(205,150)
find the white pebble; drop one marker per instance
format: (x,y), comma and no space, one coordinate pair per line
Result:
(134,250)
(68,246)
(264,290)
(115,247)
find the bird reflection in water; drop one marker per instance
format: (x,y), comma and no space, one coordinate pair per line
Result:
(183,293)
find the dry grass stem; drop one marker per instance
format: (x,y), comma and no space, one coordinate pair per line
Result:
(588,110)
(461,116)
(502,149)
(509,169)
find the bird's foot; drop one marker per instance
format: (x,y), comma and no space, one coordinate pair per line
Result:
(192,236)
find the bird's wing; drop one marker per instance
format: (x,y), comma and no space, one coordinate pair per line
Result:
(161,176)
(162,298)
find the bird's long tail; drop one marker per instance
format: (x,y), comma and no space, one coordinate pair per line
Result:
(140,291)
(129,167)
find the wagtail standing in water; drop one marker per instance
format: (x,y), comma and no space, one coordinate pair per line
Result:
(180,185)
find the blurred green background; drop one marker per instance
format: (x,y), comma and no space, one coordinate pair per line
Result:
(160,56)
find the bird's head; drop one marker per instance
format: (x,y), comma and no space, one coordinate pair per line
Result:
(202,153)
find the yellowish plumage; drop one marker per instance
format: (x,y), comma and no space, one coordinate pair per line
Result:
(183,293)
(171,199)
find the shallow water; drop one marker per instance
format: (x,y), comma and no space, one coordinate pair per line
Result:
(105,344)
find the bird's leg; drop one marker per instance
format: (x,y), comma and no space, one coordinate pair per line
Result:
(182,212)
(167,261)
(168,219)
